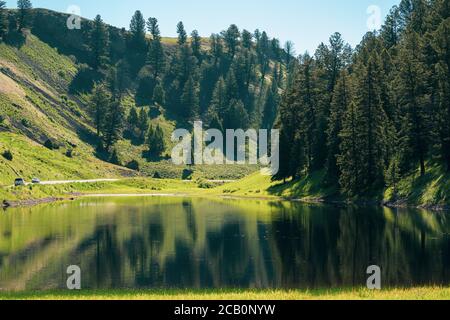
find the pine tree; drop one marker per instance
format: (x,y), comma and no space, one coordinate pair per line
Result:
(441,45)
(216,48)
(414,102)
(237,117)
(271,104)
(114,119)
(196,43)
(133,120)
(339,105)
(24,20)
(190,99)
(156,52)
(137,29)
(159,96)
(143,122)
(247,38)
(3,20)
(219,102)
(231,37)
(100,100)
(372,123)
(182,35)
(349,159)
(99,43)
(155,141)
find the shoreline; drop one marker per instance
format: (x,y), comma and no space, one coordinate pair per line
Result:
(74,196)
(413,293)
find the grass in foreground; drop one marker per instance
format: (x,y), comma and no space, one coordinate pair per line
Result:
(431,293)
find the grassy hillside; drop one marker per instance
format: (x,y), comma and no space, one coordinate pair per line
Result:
(430,191)
(35,105)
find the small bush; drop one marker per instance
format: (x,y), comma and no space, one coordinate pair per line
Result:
(25,123)
(69,153)
(203,184)
(133,165)
(8,155)
(156,175)
(2,118)
(51,145)
(114,159)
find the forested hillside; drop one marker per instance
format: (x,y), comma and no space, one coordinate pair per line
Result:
(379,116)
(127,90)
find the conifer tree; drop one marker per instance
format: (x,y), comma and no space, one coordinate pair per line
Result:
(137,29)
(156,55)
(349,159)
(414,102)
(99,45)
(196,43)
(441,45)
(155,141)
(142,123)
(100,99)
(3,20)
(25,14)
(339,105)
(190,100)
(159,96)
(182,35)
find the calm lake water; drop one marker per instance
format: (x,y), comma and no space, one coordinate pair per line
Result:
(198,243)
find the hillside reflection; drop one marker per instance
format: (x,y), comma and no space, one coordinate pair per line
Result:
(197,243)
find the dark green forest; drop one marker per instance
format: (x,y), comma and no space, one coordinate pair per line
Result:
(366,116)
(370,116)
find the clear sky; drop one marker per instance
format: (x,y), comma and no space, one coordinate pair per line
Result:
(305,22)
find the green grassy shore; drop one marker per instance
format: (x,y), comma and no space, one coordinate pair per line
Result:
(429,293)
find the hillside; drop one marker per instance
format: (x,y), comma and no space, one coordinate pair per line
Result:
(43,99)
(34,108)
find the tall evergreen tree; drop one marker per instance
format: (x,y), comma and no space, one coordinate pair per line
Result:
(340,103)
(24,19)
(137,29)
(441,44)
(372,121)
(414,101)
(143,122)
(182,35)
(100,99)
(231,37)
(3,20)
(247,38)
(196,44)
(155,141)
(190,100)
(349,159)
(156,55)
(99,43)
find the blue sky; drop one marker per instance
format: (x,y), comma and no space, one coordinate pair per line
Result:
(306,23)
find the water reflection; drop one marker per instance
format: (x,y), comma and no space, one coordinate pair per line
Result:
(198,243)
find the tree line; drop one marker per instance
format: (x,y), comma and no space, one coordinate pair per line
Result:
(372,115)
(231,80)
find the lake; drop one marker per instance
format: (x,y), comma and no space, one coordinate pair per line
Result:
(168,242)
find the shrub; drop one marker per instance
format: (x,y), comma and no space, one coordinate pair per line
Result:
(133,165)
(25,123)
(7,155)
(51,145)
(114,159)
(69,153)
